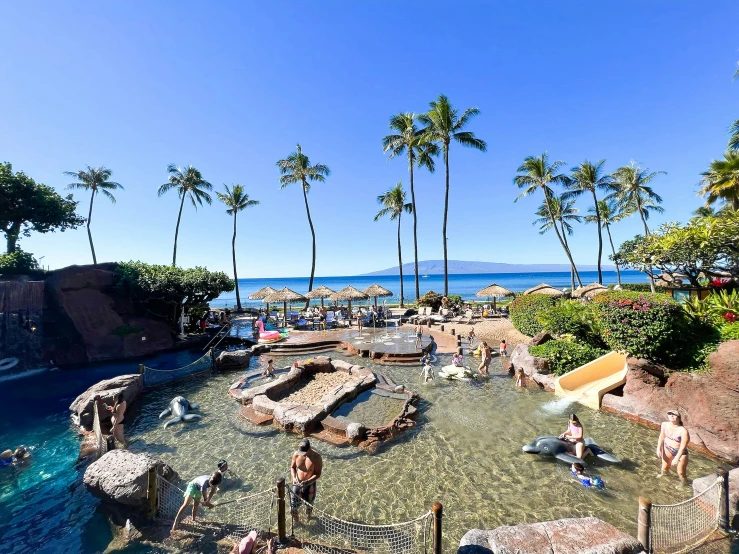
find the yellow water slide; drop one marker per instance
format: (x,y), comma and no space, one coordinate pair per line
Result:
(588,383)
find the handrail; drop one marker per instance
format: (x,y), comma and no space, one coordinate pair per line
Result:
(226,328)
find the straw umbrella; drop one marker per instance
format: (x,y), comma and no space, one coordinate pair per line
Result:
(544,289)
(494,290)
(284,295)
(375,291)
(321,292)
(261,294)
(584,292)
(348,293)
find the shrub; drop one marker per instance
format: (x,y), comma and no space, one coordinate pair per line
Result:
(566,355)
(17,263)
(432,299)
(652,326)
(572,317)
(524,310)
(455,300)
(639,287)
(729,332)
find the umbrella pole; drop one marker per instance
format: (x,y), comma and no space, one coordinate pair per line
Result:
(284,314)
(349,312)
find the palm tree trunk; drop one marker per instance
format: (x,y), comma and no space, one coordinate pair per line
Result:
(446,210)
(572,270)
(415,224)
(177,232)
(313,234)
(236,277)
(600,238)
(646,234)
(559,236)
(89,233)
(400,265)
(618,271)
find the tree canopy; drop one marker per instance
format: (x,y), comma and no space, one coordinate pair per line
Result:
(27,206)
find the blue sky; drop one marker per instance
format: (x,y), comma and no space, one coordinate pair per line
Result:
(231,87)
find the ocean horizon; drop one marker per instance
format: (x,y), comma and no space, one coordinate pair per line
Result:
(463,284)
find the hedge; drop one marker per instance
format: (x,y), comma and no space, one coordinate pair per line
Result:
(564,356)
(572,317)
(524,310)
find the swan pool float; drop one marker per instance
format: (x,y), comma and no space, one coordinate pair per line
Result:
(267,336)
(455,372)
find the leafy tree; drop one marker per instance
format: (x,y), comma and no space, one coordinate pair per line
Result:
(27,206)
(442,126)
(393,205)
(538,174)
(563,210)
(19,262)
(408,140)
(734,135)
(296,168)
(721,181)
(188,183)
(95,179)
(608,213)
(590,177)
(236,200)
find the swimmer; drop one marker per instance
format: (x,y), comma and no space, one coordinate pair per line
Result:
(270,369)
(427,373)
(419,334)
(520,378)
(578,470)
(6,457)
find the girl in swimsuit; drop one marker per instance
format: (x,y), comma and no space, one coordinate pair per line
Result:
(575,434)
(672,447)
(119,411)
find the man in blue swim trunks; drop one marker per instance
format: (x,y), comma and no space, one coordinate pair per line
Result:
(305,469)
(201,488)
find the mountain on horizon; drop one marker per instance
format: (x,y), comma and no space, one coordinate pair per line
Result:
(436,267)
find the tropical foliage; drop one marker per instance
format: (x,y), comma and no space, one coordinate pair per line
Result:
(525,309)
(721,181)
(18,263)
(393,205)
(566,355)
(572,317)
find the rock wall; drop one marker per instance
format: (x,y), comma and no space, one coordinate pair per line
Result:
(82,407)
(534,368)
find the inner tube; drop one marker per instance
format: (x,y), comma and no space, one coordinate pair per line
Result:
(8,363)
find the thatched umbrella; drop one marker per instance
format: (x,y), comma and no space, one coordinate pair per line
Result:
(284,295)
(494,290)
(584,292)
(348,293)
(375,291)
(261,294)
(544,289)
(321,292)
(592,293)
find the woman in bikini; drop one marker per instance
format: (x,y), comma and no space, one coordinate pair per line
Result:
(575,434)
(672,447)
(119,411)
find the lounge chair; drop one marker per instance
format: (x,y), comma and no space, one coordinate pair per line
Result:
(330,320)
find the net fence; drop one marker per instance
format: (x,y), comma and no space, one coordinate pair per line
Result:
(677,528)
(326,534)
(152,377)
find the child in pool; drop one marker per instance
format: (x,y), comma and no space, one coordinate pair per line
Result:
(270,369)
(578,470)
(471,337)
(520,378)
(458,360)
(427,373)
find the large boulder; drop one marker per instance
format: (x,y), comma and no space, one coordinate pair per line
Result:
(236,359)
(298,418)
(702,483)
(121,477)
(541,338)
(588,535)
(82,407)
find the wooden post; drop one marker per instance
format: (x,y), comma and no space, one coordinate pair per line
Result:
(723,504)
(429,323)
(151,493)
(438,511)
(454,332)
(141,369)
(644,522)
(442,327)
(281,510)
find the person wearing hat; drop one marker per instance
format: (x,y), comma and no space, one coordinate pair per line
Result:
(672,446)
(305,469)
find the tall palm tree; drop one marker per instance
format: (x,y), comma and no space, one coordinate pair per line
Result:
(394,204)
(236,200)
(94,179)
(631,190)
(734,135)
(721,181)
(296,168)
(589,177)
(536,173)
(442,126)
(563,211)
(606,214)
(189,183)
(408,140)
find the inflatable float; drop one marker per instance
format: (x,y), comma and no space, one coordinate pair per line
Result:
(554,446)
(8,363)
(268,336)
(456,373)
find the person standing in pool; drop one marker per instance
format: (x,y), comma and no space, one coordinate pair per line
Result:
(419,335)
(503,348)
(270,369)
(201,488)
(119,411)
(672,446)
(487,356)
(305,469)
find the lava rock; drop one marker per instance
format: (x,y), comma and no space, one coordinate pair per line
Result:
(541,338)
(82,407)
(236,359)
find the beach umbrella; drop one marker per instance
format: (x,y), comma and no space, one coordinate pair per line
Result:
(284,295)
(588,291)
(544,289)
(375,291)
(348,293)
(494,290)
(321,292)
(261,294)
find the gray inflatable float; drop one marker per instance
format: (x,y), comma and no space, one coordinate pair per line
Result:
(178,407)
(554,446)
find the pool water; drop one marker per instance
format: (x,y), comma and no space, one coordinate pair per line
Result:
(370,409)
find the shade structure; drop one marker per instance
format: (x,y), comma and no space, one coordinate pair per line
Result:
(588,291)
(494,290)
(375,291)
(261,294)
(284,295)
(348,293)
(320,292)
(544,289)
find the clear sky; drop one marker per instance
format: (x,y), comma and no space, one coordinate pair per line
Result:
(231,87)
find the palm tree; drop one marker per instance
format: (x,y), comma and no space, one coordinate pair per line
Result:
(734,132)
(189,183)
(95,179)
(393,202)
(236,200)
(721,181)
(538,174)
(296,168)
(606,213)
(442,126)
(631,190)
(563,211)
(589,177)
(408,140)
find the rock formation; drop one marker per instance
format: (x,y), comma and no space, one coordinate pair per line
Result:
(236,359)
(108,390)
(535,368)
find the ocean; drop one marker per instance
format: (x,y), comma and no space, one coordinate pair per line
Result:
(465,285)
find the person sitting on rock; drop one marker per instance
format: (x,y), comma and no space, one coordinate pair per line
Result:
(201,488)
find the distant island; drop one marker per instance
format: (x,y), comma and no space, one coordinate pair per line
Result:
(436,267)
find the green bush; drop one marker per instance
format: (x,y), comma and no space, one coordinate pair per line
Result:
(639,287)
(525,309)
(17,263)
(566,355)
(729,332)
(432,299)
(652,326)
(572,317)
(455,299)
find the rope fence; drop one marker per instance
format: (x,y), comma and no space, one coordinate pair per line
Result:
(152,376)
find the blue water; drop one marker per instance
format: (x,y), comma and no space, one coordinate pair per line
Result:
(44,506)
(465,285)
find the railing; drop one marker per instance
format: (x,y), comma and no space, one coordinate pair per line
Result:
(222,332)
(152,376)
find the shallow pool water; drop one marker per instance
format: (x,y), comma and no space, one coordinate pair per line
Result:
(370,409)
(465,452)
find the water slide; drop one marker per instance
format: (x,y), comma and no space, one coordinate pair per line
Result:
(588,383)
